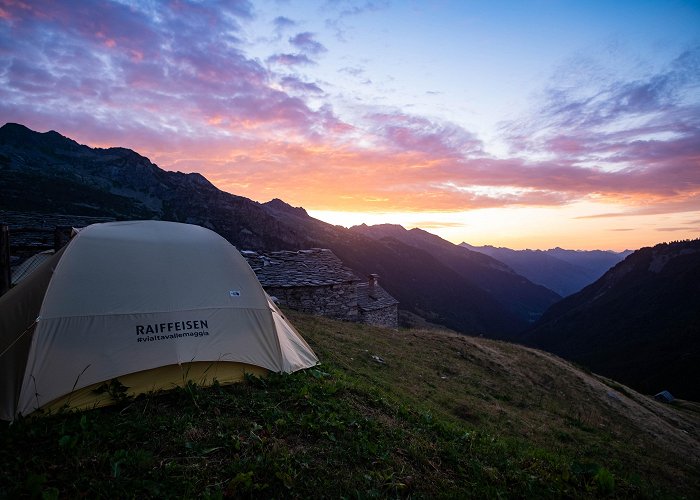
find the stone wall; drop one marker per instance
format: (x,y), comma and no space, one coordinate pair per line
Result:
(386,316)
(334,301)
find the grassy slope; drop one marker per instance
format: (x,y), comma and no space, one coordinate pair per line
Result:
(413,412)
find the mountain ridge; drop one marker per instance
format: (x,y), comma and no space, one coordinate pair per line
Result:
(506,285)
(564,271)
(49,173)
(638,323)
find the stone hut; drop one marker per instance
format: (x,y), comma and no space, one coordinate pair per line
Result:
(315,281)
(312,281)
(376,306)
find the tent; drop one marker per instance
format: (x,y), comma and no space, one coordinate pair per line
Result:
(28,266)
(152,304)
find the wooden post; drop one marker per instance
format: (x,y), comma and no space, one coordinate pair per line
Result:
(5,275)
(61,236)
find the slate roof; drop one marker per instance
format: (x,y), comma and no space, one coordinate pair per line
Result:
(377,300)
(29,229)
(314,267)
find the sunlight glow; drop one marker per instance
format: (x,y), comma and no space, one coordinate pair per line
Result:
(535,227)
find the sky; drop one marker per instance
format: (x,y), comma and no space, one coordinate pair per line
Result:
(526,124)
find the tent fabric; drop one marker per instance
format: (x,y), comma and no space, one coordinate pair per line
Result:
(129,297)
(19,309)
(28,266)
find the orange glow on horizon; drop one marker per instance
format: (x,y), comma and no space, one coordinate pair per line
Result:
(348,186)
(534,228)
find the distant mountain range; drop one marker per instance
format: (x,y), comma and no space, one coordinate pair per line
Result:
(563,271)
(463,290)
(512,290)
(639,323)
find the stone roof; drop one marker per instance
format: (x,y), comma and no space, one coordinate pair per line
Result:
(314,267)
(377,299)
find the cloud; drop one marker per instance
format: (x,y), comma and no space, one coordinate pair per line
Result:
(357,73)
(352,71)
(604,216)
(306,43)
(637,137)
(282,23)
(290,59)
(438,139)
(174,82)
(427,224)
(176,70)
(295,84)
(340,11)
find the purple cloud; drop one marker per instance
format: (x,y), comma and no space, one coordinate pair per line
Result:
(352,71)
(290,59)
(306,43)
(662,96)
(179,68)
(336,21)
(175,82)
(626,137)
(413,133)
(295,84)
(282,23)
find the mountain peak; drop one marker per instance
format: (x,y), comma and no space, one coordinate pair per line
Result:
(18,134)
(380,230)
(281,206)
(15,127)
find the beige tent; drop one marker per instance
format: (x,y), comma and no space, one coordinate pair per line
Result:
(152,304)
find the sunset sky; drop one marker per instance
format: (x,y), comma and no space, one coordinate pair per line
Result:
(527,124)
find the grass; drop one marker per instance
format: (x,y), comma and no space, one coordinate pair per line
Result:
(388,414)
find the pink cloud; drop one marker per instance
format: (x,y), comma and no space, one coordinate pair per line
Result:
(179,88)
(639,138)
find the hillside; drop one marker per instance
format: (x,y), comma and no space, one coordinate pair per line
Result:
(638,323)
(563,271)
(400,413)
(48,174)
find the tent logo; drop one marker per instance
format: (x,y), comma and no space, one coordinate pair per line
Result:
(172,330)
(171,326)
(234,293)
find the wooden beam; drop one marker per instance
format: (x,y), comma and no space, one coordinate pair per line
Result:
(5,275)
